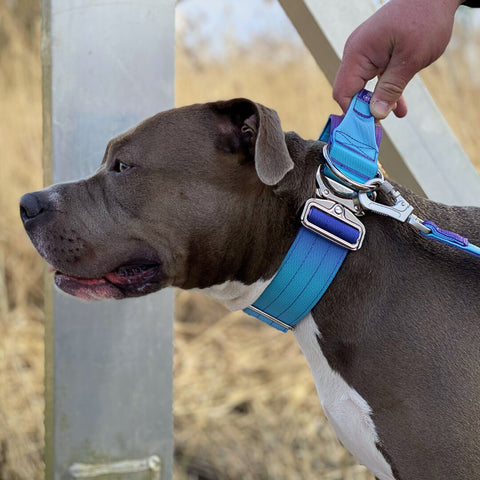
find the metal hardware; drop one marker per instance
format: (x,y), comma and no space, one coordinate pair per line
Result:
(356,197)
(337,192)
(152,465)
(369,186)
(401,210)
(327,183)
(343,214)
(273,319)
(417,224)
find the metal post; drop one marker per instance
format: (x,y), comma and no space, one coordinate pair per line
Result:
(419,151)
(107,65)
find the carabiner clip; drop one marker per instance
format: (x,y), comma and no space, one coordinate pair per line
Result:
(400,210)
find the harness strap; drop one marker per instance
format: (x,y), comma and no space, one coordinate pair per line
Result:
(322,243)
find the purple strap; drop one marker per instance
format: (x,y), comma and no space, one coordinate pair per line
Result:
(446,233)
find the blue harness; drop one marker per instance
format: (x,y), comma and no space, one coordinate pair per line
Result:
(346,183)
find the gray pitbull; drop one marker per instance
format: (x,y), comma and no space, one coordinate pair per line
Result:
(208,196)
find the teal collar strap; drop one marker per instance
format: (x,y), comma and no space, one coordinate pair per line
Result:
(328,229)
(329,225)
(354,140)
(303,277)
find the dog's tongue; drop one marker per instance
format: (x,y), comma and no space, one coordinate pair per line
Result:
(108,286)
(87,288)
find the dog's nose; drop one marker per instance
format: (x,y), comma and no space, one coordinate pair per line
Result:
(31,206)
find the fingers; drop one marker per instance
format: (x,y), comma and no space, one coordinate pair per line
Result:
(387,95)
(354,72)
(395,43)
(348,84)
(345,89)
(400,109)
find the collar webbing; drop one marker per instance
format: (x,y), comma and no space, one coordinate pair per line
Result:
(303,277)
(354,139)
(322,243)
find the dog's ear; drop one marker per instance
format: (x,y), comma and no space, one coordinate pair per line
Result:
(255,131)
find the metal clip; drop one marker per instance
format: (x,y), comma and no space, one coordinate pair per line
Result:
(337,192)
(417,224)
(401,210)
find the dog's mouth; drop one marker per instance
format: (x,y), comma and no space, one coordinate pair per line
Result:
(129,280)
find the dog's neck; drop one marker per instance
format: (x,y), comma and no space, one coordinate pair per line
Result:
(377,287)
(236,295)
(276,221)
(374,324)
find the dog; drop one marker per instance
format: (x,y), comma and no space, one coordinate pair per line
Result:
(208,197)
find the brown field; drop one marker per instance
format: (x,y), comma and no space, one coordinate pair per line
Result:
(254,414)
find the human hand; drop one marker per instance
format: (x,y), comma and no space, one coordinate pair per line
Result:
(395,43)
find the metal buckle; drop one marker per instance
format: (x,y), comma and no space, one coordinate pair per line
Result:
(339,212)
(270,317)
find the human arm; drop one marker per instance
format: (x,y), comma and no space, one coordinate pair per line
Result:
(395,43)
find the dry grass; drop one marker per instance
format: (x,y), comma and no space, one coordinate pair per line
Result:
(21,316)
(246,407)
(294,86)
(245,402)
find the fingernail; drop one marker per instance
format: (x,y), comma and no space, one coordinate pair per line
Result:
(379,108)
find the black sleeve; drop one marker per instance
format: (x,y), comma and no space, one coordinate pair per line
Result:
(472,3)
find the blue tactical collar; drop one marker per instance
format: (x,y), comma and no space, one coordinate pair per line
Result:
(347,183)
(328,228)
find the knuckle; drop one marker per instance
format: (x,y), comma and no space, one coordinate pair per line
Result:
(392,89)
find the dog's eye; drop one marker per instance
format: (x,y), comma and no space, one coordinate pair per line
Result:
(120,166)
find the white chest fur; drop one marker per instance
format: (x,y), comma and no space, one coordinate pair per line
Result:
(348,413)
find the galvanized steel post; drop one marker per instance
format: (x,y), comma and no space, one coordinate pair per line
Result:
(107,65)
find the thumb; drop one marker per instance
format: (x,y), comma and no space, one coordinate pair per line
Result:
(388,92)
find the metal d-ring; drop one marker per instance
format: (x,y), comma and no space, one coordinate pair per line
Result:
(372,185)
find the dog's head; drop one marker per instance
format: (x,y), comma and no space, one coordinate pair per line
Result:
(173,198)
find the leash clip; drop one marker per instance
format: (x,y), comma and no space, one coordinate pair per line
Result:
(418,224)
(401,210)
